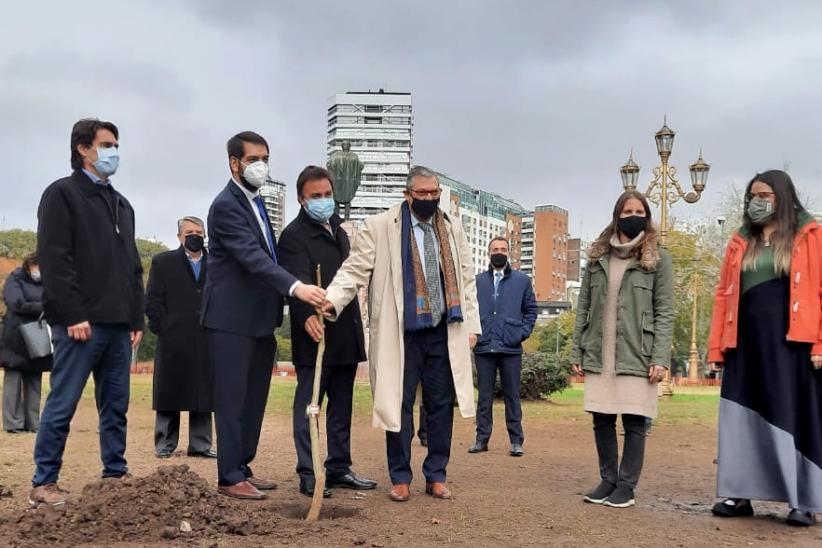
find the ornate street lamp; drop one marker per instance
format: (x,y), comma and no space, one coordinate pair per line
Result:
(664,190)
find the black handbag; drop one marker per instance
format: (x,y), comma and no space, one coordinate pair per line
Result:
(37,337)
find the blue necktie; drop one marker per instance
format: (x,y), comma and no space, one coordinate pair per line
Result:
(268,236)
(195,266)
(497,278)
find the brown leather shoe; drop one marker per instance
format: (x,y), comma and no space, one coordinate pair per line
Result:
(243,490)
(49,493)
(400,493)
(262,484)
(437,490)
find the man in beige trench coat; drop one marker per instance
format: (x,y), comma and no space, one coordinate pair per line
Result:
(415,261)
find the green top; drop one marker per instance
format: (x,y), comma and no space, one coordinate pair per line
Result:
(762,271)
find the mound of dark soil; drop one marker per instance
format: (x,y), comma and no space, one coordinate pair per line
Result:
(172,503)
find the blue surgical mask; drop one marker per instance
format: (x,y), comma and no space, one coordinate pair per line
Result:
(320,209)
(108,159)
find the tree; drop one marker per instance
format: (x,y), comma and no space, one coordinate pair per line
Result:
(16,243)
(555,337)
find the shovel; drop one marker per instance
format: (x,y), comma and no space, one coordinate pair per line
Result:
(313,414)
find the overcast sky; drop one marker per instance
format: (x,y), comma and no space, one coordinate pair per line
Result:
(539,101)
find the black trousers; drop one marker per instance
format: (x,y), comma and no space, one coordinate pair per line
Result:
(336,382)
(627,473)
(242,378)
(426,361)
(510,367)
(167,431)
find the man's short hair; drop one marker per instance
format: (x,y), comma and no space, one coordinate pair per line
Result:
(499,239)
(191,219)
(235,144)
(420,171)
(312,173)
(83,133)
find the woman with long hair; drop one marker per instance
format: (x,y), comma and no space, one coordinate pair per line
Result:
(622,341)
(23,295)
(766,333)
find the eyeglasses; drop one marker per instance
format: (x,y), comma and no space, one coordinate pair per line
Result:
(433,194)
(761,195)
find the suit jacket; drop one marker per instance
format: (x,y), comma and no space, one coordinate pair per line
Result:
(376,262)
(303,245)
(508,319)
(183,372)
(245,285)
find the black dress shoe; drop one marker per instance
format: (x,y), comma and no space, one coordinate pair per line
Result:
(733,508)
(207,454)
(799,518)
(307,489)
(351,481)
(164,454)
(478,447)
(517,450)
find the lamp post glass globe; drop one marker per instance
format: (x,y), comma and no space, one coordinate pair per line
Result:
(699,173)
(664,139)
(629,173)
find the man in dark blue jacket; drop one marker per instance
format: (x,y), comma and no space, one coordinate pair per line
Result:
(508,311)
(242,305)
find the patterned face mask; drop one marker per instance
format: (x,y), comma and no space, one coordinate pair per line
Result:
(760,210)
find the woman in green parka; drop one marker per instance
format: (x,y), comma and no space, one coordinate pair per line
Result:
(622,341)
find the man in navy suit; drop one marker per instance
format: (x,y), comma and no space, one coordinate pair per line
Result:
(242,305)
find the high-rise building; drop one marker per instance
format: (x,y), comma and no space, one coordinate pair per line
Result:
(273,194)
(544,251)
(379,125)
(484,215)
(577,258)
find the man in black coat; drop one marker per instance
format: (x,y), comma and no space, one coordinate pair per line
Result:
(183,372)
(315,238)
(93,298)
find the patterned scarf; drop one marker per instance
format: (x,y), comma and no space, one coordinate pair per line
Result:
(417,314)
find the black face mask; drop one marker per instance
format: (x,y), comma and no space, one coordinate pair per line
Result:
(425,209)
(632,226)
(194,243)
(498,260)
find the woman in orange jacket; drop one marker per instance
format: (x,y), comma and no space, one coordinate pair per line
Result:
(766,334)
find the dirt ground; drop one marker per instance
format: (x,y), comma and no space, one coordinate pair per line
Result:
(498,500)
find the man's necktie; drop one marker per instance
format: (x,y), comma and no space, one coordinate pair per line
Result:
(432,273)
(268,236)
(497,278)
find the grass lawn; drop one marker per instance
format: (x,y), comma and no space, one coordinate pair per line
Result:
(690,405)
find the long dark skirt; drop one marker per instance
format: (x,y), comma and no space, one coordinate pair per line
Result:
(770,413)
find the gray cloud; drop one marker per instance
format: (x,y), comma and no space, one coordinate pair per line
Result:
(539,101)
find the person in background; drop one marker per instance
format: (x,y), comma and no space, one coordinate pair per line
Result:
(22,378)
(183,372)
(316,239)
(92,298)
(622,341)
(508,311)
(766,337)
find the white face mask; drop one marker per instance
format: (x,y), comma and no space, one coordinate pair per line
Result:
(256,173)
